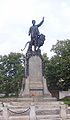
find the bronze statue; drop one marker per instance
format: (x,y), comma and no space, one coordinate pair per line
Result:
(37,39)
(34,33)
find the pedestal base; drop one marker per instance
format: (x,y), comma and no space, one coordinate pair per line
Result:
(35,83)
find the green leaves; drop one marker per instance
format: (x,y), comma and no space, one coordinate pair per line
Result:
(58,68)
(11,73)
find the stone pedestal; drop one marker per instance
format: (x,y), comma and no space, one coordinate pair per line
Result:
(35,76)
(35,83)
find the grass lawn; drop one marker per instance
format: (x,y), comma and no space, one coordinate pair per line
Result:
(66,100)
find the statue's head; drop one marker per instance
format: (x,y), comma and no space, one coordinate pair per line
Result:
(33,22)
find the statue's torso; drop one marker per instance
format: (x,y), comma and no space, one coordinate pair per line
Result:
(34,31)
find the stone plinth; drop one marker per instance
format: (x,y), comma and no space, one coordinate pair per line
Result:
(35,69)
(35,76)
(35,83)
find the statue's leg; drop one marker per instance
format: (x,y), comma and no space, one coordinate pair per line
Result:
(35,46)
(35,42)
(38,42)
(30,46)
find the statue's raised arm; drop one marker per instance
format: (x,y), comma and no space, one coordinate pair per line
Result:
(33,30)
(41,22)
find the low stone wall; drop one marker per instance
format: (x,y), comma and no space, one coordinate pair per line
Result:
(63,94)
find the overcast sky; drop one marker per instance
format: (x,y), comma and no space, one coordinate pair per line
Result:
(16,17)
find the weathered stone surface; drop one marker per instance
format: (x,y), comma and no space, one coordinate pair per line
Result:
(19,118)
(35,69)
(63,111)
(41,110)
(32,112)
(35,76)
(26,90)
(45,88)
(5,113)
(35,83)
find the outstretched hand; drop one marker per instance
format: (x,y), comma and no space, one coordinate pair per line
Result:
(43,18)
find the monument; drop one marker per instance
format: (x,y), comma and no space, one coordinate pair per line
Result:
(35,83)
(35,101)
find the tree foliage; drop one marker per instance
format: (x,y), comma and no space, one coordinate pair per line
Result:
(11,73)
(58,67)
(62,57)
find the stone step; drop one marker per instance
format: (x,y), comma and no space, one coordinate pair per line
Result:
(47,108)
(19,118)
(38,118)
(48,117)
(51,117)
(18,100)
(43,99)
(48,112)
(28,99)
(54,103)
(39,105)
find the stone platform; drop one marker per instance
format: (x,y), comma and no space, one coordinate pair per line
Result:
(33,109)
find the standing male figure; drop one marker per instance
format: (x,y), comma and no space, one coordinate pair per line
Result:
(34,32)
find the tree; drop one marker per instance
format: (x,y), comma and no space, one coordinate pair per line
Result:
(11,72)
(49,71)
(57,69)
(45,62)
(61,60)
